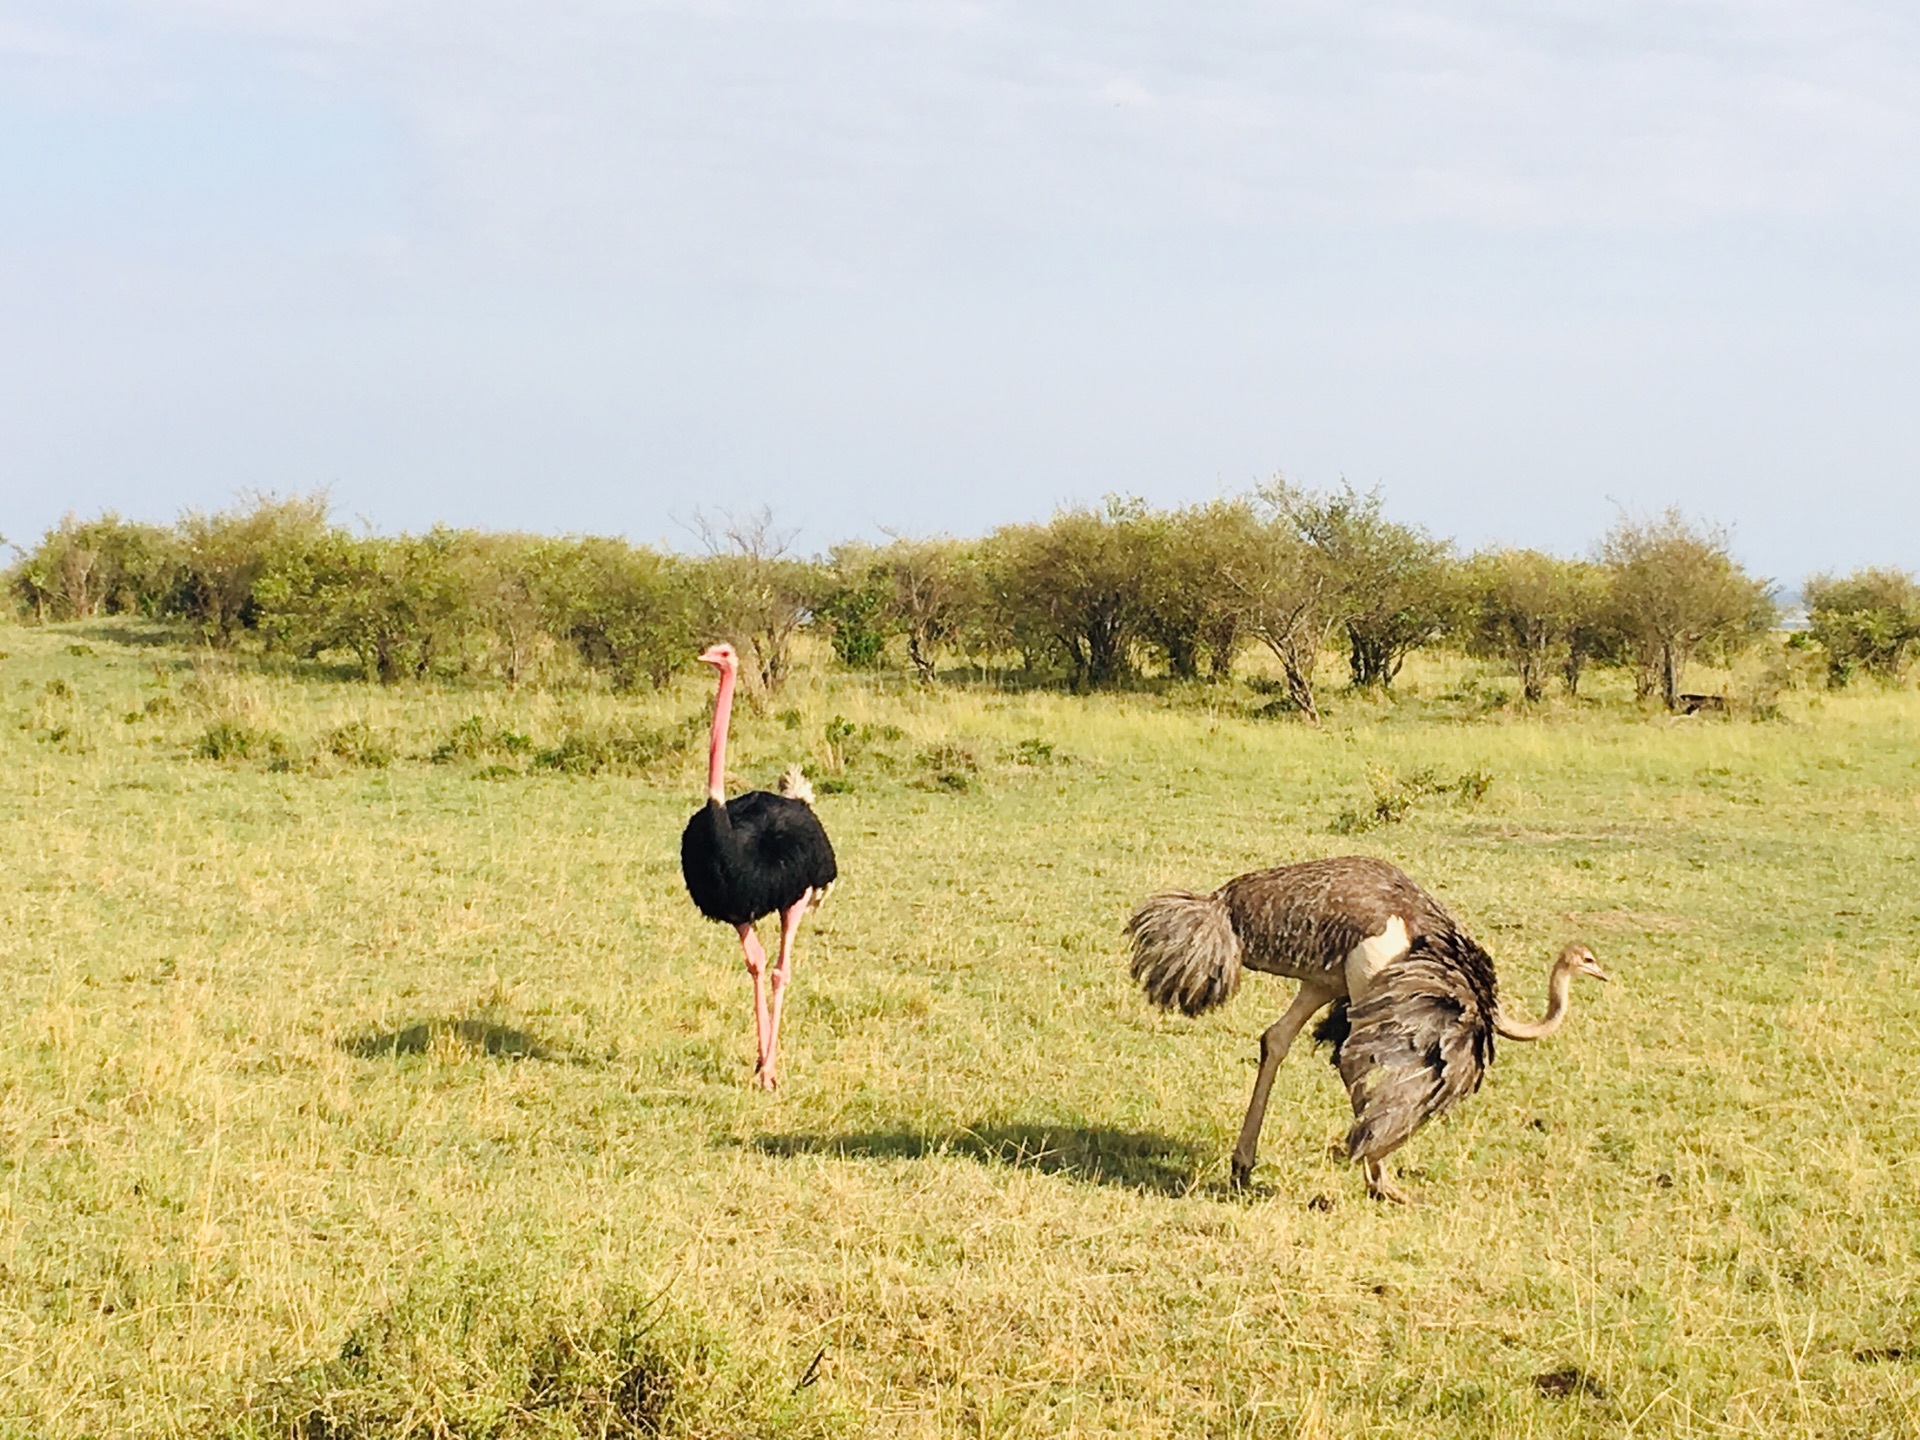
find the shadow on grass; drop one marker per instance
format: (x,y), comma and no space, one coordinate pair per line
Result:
(481,1036)
(142,634)
(1126,1158)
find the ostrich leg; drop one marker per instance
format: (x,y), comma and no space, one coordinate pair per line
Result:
(1273,1049)
(782,972)
(1380,1184)
(757,968)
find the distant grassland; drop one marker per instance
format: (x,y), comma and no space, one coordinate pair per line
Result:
(351,1092)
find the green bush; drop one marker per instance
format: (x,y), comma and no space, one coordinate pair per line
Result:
(628,613)
(224,556)
(356,743)
(1869,620)
(229,740)
(105,566)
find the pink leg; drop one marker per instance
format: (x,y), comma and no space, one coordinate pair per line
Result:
(762,1029)
(782,972)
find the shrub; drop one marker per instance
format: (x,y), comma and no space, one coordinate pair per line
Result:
(224,556)
(855,608)
(1869,620)
(229,740)
(1394,797)
(629,613)
(1073,588)
(470,740)
(102,566)
(398,605)
(949,765)
(1538,613)
(356,743)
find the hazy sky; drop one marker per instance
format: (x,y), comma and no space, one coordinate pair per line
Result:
(593,266)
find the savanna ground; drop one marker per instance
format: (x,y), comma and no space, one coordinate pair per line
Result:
(347,1092)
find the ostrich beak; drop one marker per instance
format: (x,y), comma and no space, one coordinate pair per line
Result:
(715,655)
(1593,969)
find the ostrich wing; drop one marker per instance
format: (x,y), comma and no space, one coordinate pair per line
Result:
(1418,1043)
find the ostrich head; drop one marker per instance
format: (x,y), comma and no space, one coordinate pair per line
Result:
(1577,959)
(722,656)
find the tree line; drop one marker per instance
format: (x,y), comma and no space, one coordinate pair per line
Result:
(1094,597)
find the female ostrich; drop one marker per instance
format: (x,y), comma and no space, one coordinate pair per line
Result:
(747,857)
(1417,1004)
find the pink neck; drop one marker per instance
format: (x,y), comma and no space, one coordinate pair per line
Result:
(717,753)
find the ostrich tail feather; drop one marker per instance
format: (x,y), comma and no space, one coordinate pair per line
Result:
(795,785)
(1185,953)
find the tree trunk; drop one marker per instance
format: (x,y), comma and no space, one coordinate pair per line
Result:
(1297,665)
(919,653)
(1570,671)
(1670,675)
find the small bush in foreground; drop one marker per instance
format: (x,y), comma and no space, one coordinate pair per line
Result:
(227,740)
(356,743)
(1395,796)
(441,1363)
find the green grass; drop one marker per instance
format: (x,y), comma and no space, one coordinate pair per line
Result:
(350,1091)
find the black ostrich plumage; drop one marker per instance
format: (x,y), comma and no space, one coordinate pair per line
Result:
(757,854)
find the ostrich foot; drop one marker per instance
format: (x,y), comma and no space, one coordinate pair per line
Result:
(765,1079)
(1242,1175)
(1381,1186)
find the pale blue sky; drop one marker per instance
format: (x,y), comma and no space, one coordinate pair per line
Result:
(591,266)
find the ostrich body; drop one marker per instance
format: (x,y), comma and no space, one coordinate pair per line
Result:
(1416,1003)
(755,855)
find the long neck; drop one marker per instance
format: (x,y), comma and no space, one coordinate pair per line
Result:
(717,750)
(1559,987)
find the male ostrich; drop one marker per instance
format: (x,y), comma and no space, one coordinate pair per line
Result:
(750,856)
(1416,1006)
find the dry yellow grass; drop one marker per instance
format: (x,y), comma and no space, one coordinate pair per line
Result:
(340,1099)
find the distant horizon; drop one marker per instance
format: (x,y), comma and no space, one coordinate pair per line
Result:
(1787,590)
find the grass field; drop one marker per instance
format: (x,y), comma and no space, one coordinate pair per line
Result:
(350,1092)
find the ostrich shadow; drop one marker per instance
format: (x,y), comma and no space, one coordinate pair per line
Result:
(1129,1159)
(484,1037)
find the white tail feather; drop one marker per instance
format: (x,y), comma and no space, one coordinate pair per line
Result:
(795,785)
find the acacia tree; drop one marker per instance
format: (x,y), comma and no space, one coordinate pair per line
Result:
(1677,591)
(1593,632)
(1189,607)
(1074,587)
(56,577)
(936,594)
(500,576)
(755,593)
(1287,595)
(1536,612)
(1869,620)
(1393,581)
